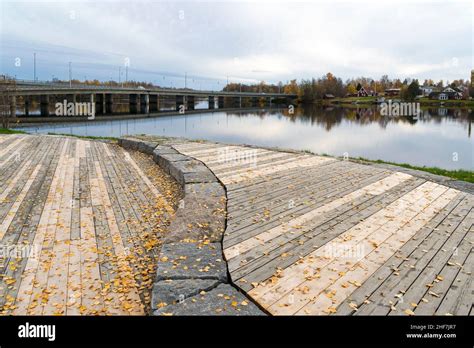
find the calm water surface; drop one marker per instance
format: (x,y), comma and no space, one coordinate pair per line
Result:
(439,137)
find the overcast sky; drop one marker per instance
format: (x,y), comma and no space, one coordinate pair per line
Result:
(246,41)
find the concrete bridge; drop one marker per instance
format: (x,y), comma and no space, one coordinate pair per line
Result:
(136,100)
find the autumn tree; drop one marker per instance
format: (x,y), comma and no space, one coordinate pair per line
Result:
(351,89)
(291,88)
(7,110)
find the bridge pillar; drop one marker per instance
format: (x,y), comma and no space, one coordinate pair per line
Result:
(270,101)
(254,102)
(103,104)
(99,104)
(13,106)
(44,105)
(144,104)
(27,105)
(108,103)
(92,101)
(133,103)
(190,102)
(179,102)
(153,103)
(237,102)
(212,102)
(220,102)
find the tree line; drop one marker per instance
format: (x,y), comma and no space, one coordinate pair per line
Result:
(309,90)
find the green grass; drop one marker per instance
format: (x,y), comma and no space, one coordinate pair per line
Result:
(460,174)
(350,100)
(10,131)
(463,175)
(358,99)
(453,103)
(425,101)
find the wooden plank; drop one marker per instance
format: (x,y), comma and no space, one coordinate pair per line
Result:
(448,278)
(289,249)
(309,161)
(40,293)
(93,298)
(23,228)
(286,215)
(25,301)
(57,276)
(267,294)
(16,205)
(131,302)
(458,298)
(11,146)
(305,185)
(358,298)
(294,224)
(364,268)
(410,269)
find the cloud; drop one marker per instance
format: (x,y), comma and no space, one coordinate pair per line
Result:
(247,41)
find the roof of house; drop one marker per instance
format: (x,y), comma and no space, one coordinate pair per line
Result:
(449,93)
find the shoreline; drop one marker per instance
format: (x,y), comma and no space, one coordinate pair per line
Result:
(464,175)
(370,101)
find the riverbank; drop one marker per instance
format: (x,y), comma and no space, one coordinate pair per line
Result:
(463,175)
(10,131)
(424,102)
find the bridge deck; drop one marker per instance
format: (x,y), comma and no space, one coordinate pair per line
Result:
(314,235)
(86,219)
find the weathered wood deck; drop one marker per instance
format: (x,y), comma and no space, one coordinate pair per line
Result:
(80,222)
(315,235)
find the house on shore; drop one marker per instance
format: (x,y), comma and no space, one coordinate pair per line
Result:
(362,92)
(427,90)
(447,94)
(328,96)
(392,92)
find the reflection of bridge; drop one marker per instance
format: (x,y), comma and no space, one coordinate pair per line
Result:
(140,100)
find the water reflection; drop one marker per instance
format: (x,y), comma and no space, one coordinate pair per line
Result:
(437,137)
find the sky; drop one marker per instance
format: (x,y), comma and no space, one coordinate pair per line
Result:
(237,41)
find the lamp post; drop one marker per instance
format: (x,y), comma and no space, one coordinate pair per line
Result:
(34,66)
(70,74)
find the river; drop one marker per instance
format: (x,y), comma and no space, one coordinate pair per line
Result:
(439,137)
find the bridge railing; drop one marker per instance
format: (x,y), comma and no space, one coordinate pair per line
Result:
(23,84)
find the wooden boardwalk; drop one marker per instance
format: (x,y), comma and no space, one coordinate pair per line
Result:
(80,224)
(314,235)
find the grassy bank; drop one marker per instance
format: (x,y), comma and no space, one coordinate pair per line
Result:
(463,175)
(460,174)
(10,131)
(427,102)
